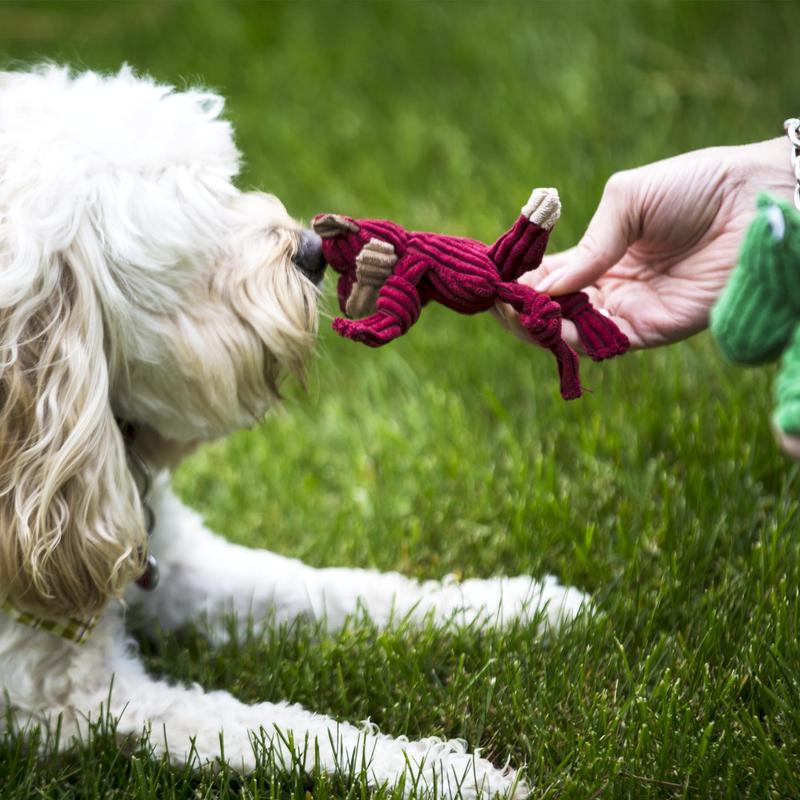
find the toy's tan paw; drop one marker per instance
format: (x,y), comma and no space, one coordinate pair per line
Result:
(326,226)
(543,207)
(374,264)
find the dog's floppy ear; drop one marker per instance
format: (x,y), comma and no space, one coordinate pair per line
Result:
(327,226)
(71,524)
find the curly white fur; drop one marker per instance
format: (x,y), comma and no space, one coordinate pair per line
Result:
(138,283)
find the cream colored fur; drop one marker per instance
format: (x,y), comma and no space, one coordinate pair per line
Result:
(135,281)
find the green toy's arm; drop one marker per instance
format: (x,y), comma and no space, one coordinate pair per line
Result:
(756,314)
(787,389)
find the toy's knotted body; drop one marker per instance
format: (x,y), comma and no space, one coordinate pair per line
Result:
(388,273)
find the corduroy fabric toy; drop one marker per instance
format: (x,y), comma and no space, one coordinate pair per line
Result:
(757,317)
(388,273)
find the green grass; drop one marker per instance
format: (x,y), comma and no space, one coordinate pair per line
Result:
(661,493)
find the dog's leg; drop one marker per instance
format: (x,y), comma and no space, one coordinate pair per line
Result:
(203,576)
(43,677)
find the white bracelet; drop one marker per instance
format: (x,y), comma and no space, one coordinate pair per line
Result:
(792,128)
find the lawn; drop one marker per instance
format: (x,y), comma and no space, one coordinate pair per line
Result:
(660,493)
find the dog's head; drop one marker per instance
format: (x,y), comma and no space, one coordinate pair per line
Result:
(137,283)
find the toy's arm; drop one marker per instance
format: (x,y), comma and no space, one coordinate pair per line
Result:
(374,264)
(787,390)
(521,249)
(397,307)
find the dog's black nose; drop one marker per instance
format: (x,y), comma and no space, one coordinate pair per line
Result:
(309,259)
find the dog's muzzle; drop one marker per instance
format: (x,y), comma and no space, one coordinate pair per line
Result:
(309,259)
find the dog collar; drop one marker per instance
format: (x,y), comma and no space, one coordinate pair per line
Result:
(69,628)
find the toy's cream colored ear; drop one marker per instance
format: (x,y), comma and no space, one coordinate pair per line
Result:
(374,264)
(329,225)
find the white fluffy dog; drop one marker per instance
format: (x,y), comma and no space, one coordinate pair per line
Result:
(146,305)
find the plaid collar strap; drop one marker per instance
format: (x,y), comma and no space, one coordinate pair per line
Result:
(73,630)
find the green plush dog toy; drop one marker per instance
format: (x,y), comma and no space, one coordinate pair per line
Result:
(757,317)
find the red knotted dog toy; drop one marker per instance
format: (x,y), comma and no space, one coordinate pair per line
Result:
(388,273)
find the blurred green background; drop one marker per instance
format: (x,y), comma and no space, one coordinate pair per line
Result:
(660,492)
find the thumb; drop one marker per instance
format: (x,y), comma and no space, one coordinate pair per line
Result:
(605,242)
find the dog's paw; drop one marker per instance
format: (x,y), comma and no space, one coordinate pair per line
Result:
(497,602)
(446,769)
(524,598)
(561,604)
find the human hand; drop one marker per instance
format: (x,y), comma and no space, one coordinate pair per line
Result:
(663,240)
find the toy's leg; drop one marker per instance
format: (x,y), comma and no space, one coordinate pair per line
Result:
(521,249)
(398,308)
(541,317)
(756,314)
(599,335)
